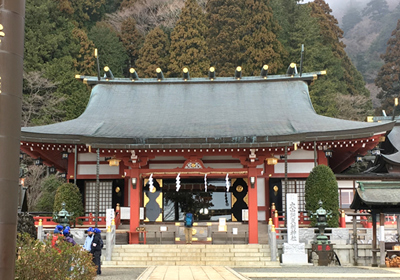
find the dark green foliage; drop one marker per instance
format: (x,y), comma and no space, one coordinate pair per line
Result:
(321,185)
(131,39)
(111,51)
(59,50)
(48,191)
(26,224)
(40,261)
(259,44)
(389,75)
(84,13)
(292,21)
(69,193)
(188,45)
(47,34)
(153,54)
(75,93)
(224,19)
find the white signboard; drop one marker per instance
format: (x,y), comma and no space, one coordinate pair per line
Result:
(292,210)
(109,216)
(245,215)
(125,213)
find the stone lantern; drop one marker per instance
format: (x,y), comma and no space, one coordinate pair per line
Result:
(62,217)
(322,249)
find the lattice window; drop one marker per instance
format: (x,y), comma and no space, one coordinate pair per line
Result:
(295,186)
(105,197)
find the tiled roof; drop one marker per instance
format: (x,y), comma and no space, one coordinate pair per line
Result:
(200,113)
(384,196)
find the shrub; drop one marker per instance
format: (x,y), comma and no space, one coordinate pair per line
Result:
(69,193)
(40,261)
(48,190)
(26,224)
(321,185)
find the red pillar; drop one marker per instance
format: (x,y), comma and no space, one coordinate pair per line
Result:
(134,204)
(253,207)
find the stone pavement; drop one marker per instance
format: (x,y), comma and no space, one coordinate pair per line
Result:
(190,273)
(239,273)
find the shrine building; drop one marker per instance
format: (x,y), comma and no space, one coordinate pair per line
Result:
(216,146)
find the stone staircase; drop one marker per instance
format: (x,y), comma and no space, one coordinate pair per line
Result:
(234,255)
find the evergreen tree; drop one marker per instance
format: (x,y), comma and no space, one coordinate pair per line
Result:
(258,39)
(131,39)
(376,9)
(188,45)
(48,191)
(47,34)
(223,35)
(388,78)
(71,196)
(351,18)
(110,49)
(153,54)
(343,77)
(84,61)
(60,50)
(85,13)
(289,16)
(321,185)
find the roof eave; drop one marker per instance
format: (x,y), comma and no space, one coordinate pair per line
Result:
(210,142)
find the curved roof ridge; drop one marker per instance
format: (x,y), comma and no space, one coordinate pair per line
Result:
(225,112)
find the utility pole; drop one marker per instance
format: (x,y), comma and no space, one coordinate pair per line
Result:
(12,14)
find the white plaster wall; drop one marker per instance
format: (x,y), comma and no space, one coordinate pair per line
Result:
(346,184)
(89,157)
(301,154)
(260,191)
(104,169)
(294,167)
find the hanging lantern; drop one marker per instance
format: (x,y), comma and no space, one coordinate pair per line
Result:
(64,155)
(328,153)
(272,161)
(113,162)
(38,161)
(52,170)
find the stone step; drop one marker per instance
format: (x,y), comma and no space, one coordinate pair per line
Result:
(253,255)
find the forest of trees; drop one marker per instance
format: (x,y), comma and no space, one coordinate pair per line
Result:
(61,36)
(368,28)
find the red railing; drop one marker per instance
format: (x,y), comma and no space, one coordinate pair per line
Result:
(88,221)
(279,220)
